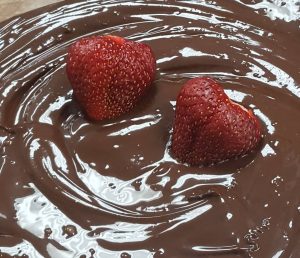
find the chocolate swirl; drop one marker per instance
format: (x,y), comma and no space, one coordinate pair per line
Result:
(72,188)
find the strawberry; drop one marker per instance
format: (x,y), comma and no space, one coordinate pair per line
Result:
(109,74)
(209,127)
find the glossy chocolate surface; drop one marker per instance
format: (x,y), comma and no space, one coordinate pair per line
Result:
(72,188)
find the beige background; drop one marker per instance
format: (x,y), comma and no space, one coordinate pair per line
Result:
(9,8)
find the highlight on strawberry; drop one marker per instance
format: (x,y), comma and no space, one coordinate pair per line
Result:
(109,74)
(210,128)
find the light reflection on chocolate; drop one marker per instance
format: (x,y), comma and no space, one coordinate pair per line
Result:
(72,188)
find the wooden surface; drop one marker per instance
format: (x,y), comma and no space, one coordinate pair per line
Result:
(9,8)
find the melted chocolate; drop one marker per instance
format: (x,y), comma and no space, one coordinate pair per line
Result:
(72,188)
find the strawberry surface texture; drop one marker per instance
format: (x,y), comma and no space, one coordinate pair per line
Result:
(109,74)
(209,127)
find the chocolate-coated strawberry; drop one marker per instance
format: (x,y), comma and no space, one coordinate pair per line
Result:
(209,127)
(109,74)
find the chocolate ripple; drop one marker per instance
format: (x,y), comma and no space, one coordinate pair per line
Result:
(72,188)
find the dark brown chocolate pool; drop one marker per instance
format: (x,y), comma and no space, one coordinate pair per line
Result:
(72,188)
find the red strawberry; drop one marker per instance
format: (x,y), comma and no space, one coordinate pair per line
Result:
(109,74)
(209,127)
